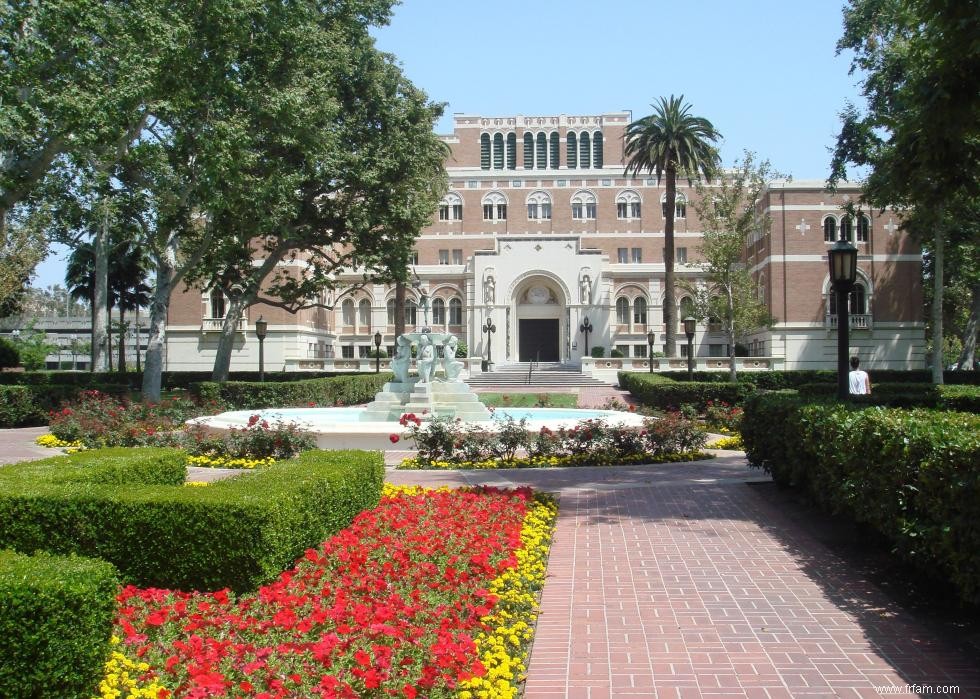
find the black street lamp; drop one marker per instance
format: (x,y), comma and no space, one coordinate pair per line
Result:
(586,328)
(651,337)
(689,323)
(261,327)
(377,352)
(489,328)
(843,273)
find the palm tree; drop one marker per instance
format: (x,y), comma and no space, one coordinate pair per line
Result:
(671,141)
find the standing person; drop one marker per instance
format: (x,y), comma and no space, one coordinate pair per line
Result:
(858,380)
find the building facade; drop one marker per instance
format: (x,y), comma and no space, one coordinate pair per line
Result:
(541,234)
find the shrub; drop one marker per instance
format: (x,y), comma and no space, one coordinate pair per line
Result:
(462,349)
(9,356)
(56,615)
(349,389)
(257,440)
(598,352)
(911,475)
(18,407)
(962,398)
(615,354)
(722,416)
(669,395)
(127,507)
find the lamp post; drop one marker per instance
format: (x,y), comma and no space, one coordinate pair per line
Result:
(689,323)
(586,328)
(489,328)
(261,326)
(377,352)
(651,337)
(843,272)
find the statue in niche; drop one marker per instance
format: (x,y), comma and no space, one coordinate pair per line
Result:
(426,359)
(489,289)
(585,289)
(402,358)
(450,365)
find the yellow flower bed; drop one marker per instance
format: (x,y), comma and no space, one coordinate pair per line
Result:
(52,442)
(732,443)
(127,679)
(195,484)
(504,649)
(228,462)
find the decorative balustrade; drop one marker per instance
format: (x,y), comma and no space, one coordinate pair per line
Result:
(214,325)
(857,321)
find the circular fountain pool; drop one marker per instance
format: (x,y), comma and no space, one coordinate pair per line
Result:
(342,428)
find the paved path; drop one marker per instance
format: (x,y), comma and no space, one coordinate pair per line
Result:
(680,581)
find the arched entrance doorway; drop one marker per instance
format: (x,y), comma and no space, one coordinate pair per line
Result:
(539,304)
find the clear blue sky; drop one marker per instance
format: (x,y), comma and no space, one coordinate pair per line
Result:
(764,72)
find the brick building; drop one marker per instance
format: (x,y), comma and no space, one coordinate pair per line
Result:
(540,230)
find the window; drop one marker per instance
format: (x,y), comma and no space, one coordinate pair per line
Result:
(438,312)
(494,207)
(624,350)
(411,312)
(597,150)
(217,304)
(488,212)
(541,153)
(857,301)
(680,205)
(539,206)
(686,308)
(585,150)
(680,255)
(553,150)
(627,205)
(636,254)
(455,311)
(639,350)
(390,308)
(512,152)
(590,209)
(451,208)
(717,350)
(622,311)
(347,312)
(528,151)
(622,255)
(364,313)
(583,205)
(571,151)
(414,258)
(485,151)
(830,229)
(457,256)
(683,349)
(864,229)
(640,311)
(347,351)
(498,151)
(845,229)
(444,257)
(364,351)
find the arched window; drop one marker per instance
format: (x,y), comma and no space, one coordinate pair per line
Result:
(512,151)
(498,151)
(485,151)
(451,207)
(553,150)
(217,304)
(830,229)
(347,312)
(571,151)
(494,207)
(623,311)
(438,312)
(864,229)
(411,312)
(857,300)
(455,311)
(364,313)
(583,206)
(686,309)
(584,150)
(640,311)
(528,151)
(597,149)
(628,204)
(680,205)
(538,206)
(390,308)
(845,229)
(541,153)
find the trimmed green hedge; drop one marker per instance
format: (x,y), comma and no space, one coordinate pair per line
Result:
(778,380)
(56,616)
(662,392)
(349,389)
(912,475)
(134,380)
(127,507)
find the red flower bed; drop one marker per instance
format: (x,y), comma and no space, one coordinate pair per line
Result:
(388,607)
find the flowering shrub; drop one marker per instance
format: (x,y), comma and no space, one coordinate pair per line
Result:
(721,416)
(259,443)
(431,594)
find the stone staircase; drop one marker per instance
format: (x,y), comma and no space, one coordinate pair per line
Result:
(543,375)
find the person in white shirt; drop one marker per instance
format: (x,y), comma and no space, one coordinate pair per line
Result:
(857,379)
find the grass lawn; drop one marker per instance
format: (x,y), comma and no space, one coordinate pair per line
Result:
(529,400)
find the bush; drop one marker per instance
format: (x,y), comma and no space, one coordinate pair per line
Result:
(128,507)
(962,398)
(911,475)
(257,440)
(615,354)
(598,352)
(18,407)
(659,392)
(9,356)
(462,349)
(349,389)
(56,615)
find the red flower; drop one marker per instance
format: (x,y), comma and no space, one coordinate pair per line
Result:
(394,438)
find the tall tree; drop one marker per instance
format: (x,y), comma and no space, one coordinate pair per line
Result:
(671,141)
(730,218)
(22,247)
(919,135)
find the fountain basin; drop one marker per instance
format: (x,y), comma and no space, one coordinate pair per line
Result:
(343,428)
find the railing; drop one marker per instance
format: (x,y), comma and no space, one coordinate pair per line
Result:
(530,366)
(213,325)
(856,321)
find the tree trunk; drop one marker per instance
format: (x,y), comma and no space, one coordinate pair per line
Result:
(732,370)
(100,297)
(157,328)
(226,343)
(670,302)
(122,339)
(937,303)
(399,309)
(968,355)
